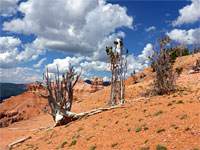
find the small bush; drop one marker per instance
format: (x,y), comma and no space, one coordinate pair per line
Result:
(169,104)
(140,119)
(158,113)
(89,138)
(146,128)
(160,147)
(80,129)
(146,141)
(138,129)
(180,102)
(186,129)
(145,148)
(160,130)
(93,148)
(179,71)
(72,143)
(176,127)
(113,145)
(173,125)
(63,144)
(183,117)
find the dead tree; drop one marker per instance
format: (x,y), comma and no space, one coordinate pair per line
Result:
(133,75)
(194,48)
(60,107)
(114,58)
(56,94)
(118,67)
(164,80)
(122,71)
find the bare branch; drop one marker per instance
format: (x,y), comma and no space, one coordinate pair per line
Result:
(76,80)
(48,112)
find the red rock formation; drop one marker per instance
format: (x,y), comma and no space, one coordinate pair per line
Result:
(82,89)
(21,107)
(29,104)
(97,84)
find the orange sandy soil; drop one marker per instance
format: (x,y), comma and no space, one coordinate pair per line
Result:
(178,123)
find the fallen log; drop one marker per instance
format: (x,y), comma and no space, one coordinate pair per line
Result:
(19,141)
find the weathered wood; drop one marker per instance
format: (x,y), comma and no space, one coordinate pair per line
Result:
(27,129)
(19,141)
(137,99)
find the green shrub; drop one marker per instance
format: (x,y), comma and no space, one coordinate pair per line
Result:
(176,127)
(63,144)
(113,145)
(160,130)
(80,129)
(160,147)
(158,113)
(169,104)
(180,102)
(140,119)
(93,148)
(72,143)
(188,128)
(145,148)
(183,117)
(179,71)
(89,138)
(138,129)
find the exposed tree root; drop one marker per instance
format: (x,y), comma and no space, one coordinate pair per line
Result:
(66,117)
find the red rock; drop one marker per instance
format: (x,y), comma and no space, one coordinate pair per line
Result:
(97,84)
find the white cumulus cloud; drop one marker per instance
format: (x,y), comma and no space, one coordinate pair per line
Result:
(150,28)
(39,63)
(141,61)
(11,55)
(188,14)
(63,64)
(78,27)
(19,75)
(8,7)
(186,36)
(89,67)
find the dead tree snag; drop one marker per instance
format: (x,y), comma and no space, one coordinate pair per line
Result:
(56,94)
(118,67)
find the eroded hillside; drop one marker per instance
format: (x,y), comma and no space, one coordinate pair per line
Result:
(169,120)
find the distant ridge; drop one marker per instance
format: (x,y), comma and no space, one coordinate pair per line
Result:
(10,89)
(104,83)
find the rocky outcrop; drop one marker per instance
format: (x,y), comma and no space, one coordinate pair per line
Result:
(82,89)
(97,84)
(21,107)
(29,104)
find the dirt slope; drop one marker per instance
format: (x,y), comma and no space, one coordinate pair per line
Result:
(170,120)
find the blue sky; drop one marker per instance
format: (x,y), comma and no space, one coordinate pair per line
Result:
(37,34)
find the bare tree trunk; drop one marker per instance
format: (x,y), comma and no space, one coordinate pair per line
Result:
(111,102)
(58,104)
